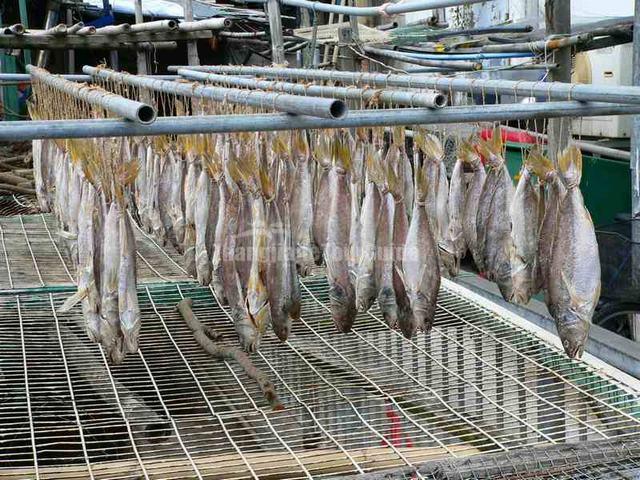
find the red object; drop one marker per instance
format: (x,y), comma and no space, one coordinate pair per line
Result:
(509,136)
(394,437)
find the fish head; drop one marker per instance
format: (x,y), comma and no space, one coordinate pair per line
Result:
(342,307)
(573,331)
(282,330)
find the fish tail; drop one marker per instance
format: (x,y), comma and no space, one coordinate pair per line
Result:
(538,163)
(468,154)
(570,166)
(431,146)
(342,153)
(421,185)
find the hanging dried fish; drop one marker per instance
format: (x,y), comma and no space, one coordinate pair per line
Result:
(454,245)
(190,187)
(322,155)
(110,327)
(472,200)
(176,204)
(202,201)
(129,311)
(342,301)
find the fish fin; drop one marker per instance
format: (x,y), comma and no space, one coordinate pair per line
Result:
(497,145)
(570,166)
(74,299)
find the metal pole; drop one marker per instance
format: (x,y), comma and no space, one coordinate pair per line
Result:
(24,19)
(76,77)
(635,172)
(429,99)
(449,65)
(540,46)
(156,26)
(384,10)
(558,21)
(275,32)
(130,109)
(299,105)
(71,54)
(553,91)
(207,24)
(29,130)
(141,55)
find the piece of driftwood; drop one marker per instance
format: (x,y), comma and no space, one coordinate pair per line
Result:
(13,179)
(205,337)
(5,187)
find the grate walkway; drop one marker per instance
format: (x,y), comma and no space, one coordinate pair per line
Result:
(357,402)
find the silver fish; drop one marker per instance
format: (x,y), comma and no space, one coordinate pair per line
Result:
(384,265)
(455,245)
(524,235)
(86,273)
(302,205)
(201,219)
(366,289)
(471,203)
(342,301)
(127,292)
(109,283)
(176,198)
(574,281)
(278,286)
(322,156)
(217,279)
(189,247)
(420,266)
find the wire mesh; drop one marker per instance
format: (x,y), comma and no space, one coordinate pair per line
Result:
(17,205)
(33,255)
(354,403)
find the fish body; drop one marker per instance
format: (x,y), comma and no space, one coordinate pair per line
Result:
(277,283)
(524,235)
(129,311)
(455,245)
(342,295)
(217,281)
(86,272)
(574,281)
(556,192)
(110,327)
(366,290)
(384,265)
(189,246)
(471,203)
(498,241)
(257,297)
(176,198)
(201,219)
(301,205)
(420,266)
(320,211)
(406,321)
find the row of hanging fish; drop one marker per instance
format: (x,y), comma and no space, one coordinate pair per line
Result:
(88,195)
(536,236)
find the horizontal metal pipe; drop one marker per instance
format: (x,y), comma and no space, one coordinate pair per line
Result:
(318,107)
(74,77)
(540,46)
(26,130)
(586,146)
(86,31)
(75,28)
(429,99)
(206,24)
(242,34)
(430,35)
(450,65)
(130,109)
(384,10)
(15,29)
(60,29)
(114,29)
(156,26)
(551,90)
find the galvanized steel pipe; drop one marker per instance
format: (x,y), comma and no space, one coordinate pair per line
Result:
(130,109)
(75,28)
(207,24)
(551,90)
(299,105)
(428,99)
(157,26)
(443,64)
(384,10)
(114,29)
(25,130)
(15,29)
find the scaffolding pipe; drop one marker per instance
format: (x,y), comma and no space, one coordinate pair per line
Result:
(550,91)
(317,107)
(540,46)
(449,65)
(74,77)
(428,99)
(30,130)
(157,26)
(114,29)
(86,31)
(75,28)
(129,109)
(60,29)
(384,10)
(207,24)
(15,29)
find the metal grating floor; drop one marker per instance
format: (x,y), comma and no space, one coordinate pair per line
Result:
(32,255)
(17,205)
(354,402)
